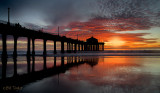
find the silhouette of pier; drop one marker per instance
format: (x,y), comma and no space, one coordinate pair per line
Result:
(17,31)
(73,45)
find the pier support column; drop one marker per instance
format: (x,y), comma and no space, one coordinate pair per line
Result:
(71,47)
(75,48)
(28,46)
(33,46)
(44,47)
(82,47)
(79,47)
(62,46)
(67,47)
(55,51)
(85,47)
(102,47)
(4,49)
(93,48)
(89,47)
(4,56)
(15,46)
(97,47)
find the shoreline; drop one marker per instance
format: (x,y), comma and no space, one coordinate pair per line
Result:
(90,54)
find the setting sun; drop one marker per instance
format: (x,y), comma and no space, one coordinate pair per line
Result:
(115,42)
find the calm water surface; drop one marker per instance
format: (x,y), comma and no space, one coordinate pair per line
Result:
(99,74)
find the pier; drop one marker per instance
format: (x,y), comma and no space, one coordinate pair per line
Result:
(73,45)
(17,31)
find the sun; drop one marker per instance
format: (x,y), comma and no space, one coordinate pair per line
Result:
(115,42)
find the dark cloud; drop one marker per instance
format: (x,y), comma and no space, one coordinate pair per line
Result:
(63,12)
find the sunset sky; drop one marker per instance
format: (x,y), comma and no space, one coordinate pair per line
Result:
(120,24)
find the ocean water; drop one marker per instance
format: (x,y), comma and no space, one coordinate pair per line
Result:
(98,73)
(93,53)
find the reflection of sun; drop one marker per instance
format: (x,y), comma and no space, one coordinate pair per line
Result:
(115,42)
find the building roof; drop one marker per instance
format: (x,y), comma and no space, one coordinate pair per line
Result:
(92,40)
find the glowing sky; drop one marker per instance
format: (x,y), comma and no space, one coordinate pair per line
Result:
(122,24)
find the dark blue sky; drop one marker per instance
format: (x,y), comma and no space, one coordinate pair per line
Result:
(61,12)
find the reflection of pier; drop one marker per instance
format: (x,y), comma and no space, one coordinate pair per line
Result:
(73,45)
(32,75)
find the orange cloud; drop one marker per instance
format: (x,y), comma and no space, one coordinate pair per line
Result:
(105,29)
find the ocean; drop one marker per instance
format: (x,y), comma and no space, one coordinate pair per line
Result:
(89,72)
